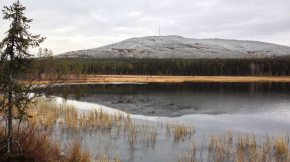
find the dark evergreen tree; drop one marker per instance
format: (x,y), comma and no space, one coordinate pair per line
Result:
(15,61)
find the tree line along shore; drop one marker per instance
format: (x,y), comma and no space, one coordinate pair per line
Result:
(277,66)
(93,70)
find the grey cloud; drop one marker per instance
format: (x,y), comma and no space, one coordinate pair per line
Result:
(72,25)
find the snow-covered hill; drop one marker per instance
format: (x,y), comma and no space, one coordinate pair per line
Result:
(180,47)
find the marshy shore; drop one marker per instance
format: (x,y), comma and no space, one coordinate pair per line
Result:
(70,79)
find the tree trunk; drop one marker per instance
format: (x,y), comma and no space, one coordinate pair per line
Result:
(10,106)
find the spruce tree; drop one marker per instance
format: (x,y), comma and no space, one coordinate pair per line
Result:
(14,62)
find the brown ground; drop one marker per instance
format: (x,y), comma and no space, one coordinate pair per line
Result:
(167,79)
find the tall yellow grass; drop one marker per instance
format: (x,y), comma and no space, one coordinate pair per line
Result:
(48,116)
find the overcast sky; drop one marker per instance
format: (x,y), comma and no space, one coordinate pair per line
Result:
(81,24)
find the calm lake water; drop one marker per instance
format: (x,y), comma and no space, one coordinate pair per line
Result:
(212,108)
(207,100)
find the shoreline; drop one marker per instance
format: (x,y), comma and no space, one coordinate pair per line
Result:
(74,79)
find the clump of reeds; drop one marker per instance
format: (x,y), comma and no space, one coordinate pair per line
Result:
(70,116)
(132,136)
(44,114)
(190,155)
(75,153)
(245,148)
(281,148)
(216,148)
(36,145)
(47,114)
(32,144)
(147,134)
(266,149)
(105,158)
(100,119)
(181,131)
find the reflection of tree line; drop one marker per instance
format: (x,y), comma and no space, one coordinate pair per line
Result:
(215,67)
(78,91)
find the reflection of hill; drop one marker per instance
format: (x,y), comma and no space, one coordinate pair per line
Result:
(181,99)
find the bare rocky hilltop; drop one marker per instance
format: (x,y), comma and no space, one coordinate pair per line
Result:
(180,47)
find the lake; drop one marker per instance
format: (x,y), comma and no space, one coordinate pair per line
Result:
(212,108)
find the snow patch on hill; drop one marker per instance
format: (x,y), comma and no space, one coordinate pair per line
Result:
(180,47)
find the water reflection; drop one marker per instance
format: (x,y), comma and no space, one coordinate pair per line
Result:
(180,99)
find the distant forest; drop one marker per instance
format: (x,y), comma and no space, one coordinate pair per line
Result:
(191,67)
